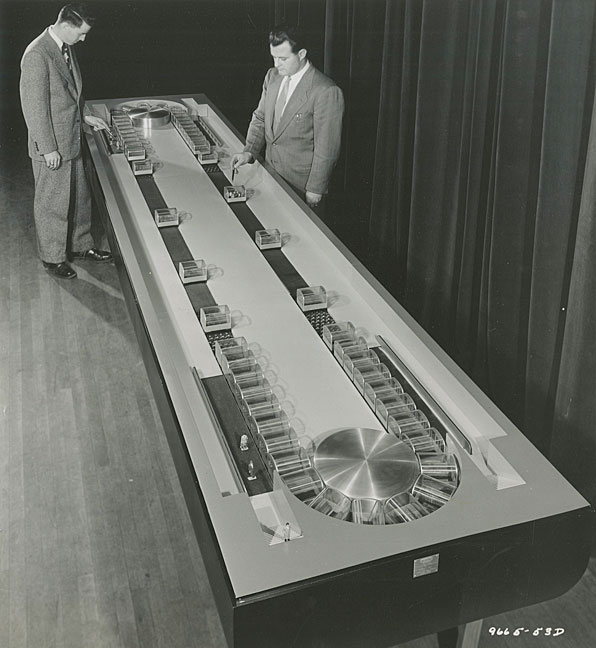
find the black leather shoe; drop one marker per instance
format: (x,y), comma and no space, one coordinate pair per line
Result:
(60,270)
(93,255)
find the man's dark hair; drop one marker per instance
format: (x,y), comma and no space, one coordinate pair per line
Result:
(282,33)
(76,15)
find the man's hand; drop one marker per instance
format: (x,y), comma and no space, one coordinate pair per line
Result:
(313,199)
(240,159)
(52,159)
(97,122)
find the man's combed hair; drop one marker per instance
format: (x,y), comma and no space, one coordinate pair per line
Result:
(282,33)
(76,15)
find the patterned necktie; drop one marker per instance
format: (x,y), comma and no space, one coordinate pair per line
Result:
(66,54)
(280,103)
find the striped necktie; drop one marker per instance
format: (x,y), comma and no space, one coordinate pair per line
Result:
(66,54)
(281,101)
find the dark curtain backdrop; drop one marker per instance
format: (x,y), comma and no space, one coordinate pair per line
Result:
(468,184)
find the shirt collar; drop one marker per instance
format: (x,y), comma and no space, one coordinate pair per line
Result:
(55,37)
(295,78)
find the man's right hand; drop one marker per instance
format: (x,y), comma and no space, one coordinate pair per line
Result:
(239,159)
(52,159)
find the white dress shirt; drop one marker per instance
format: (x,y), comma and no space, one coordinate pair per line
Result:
(56,38)
(293,81)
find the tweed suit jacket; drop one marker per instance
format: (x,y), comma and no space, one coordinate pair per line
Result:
(51,99)
(305,146)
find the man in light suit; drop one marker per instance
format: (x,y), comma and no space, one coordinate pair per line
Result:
(52,105)
(298,119)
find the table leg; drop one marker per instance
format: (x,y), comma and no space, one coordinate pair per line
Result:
(469,634)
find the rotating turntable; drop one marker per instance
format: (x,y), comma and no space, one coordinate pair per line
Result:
(149,114)
(363,463)
(373,477)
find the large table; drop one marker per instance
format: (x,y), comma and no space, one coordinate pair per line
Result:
(513,533)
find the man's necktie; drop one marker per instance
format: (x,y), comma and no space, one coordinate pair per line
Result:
(281,101)
(66,54)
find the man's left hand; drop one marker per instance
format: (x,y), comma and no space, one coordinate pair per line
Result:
(97,122)
(313,199)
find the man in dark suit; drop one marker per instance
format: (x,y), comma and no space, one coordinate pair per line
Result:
(298,119)
(54,112)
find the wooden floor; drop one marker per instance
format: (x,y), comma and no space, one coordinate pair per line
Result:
(96,548)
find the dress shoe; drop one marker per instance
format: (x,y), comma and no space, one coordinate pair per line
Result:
(60,270)
(93,255)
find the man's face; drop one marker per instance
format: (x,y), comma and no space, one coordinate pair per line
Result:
(286,61)
(74,34)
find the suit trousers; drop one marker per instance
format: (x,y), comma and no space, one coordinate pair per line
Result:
(61,209)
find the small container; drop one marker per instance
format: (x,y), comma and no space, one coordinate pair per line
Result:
(208,158)
(128,134)
(337,331)
(268,422)
(304,484)
(426,441)
(433,492)
(342,346)
(194,148)
(230,347)
(192,271)
(135,153)
(236,362)
(367,373)
(257,406)
(142,167)
(239,367)
(384,387)
(276,439)
(367,511)
(268,239)
(288,460)
(311,298)
(396,405)
(241,392)
(234,194)
(167,217)
(353,360)
(215,318)
(333,503)
(416,421)
(404,508)
(439,466)
(245,380)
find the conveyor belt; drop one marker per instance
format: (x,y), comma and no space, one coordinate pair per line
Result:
(278,261)
(199,294)
(231,419)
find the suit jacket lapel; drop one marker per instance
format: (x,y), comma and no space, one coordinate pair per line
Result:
(61,65)
(76,72)
(298,98)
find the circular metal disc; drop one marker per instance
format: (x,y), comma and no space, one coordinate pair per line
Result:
(366,463)
(148,115)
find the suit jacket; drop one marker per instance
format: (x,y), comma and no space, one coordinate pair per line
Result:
(51,99)
(305,146)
